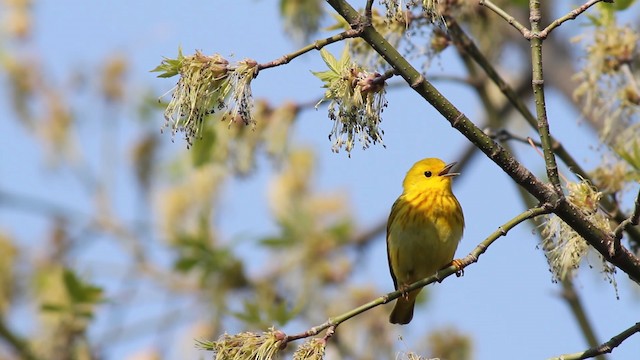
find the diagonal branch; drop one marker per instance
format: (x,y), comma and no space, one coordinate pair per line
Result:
(507,17)
(569,16)
(316,45)
(605,348)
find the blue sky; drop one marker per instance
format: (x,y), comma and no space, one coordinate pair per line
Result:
(506,302)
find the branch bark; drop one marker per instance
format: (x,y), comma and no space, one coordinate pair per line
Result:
(604,348)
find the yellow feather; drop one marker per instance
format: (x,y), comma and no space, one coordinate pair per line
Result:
(423,231)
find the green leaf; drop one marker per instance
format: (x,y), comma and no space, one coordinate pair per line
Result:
(327,77)
(342,231)
(79,291)
(340,24)
(330,60)
(606,15)
(281,313)
(277,242)
(87,314)
(250,314)
(54,308)
(620,5)
(185,264)
(632,157)
(345,59)
(170,67)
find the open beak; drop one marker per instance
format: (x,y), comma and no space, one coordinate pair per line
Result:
(445,171)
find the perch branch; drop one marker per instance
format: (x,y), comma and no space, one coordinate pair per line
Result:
(605,348)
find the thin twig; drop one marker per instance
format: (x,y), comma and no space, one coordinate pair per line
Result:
(316,45)
(632,220)
(569,16)
(330,332)
(437,277)
(538,94)
(605,348)
(508,18)
(380,79)
(503,135)
(367,10)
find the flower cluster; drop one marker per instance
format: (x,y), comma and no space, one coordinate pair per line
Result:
(396,9)
(206,84)
(607,86)
(356,101)
(563,246)
(246,345)
(311,350)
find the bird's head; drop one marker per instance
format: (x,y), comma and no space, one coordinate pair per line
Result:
(429,174)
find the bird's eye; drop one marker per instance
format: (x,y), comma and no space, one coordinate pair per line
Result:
(427,173)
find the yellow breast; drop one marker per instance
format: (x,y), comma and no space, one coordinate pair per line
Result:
(423,234)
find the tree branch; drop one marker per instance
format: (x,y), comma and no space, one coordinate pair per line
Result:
(605,348)
(316,45)
(538,93)
(569,16)
(367,10)
(632,220)
(508,18)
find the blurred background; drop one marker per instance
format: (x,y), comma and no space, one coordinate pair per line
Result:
(119,242)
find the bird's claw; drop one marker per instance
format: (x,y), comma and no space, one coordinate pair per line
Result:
(405,292)
(459,267)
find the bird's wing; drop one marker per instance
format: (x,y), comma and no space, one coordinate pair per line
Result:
(394,211)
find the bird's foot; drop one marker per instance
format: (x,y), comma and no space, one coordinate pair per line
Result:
(459,267)
(405,292)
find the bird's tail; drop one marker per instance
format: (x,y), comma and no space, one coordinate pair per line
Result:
(402,312)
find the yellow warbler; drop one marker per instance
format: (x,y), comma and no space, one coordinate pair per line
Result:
(423,231)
